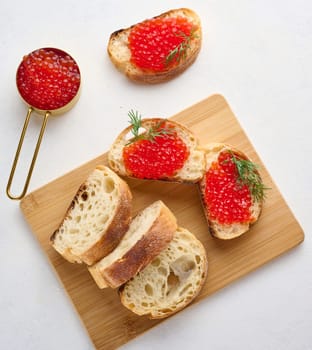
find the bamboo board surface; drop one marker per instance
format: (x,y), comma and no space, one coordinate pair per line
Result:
(108,323)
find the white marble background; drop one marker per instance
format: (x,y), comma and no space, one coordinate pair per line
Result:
(257,54)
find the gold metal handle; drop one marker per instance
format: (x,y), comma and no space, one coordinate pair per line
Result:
(19,147)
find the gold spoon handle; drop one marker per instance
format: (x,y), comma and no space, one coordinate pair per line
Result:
(19,147)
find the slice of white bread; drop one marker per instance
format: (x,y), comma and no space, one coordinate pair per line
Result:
(97,218)
(120,54)
(171,281)
(226,231)
(149,233)
(194,166)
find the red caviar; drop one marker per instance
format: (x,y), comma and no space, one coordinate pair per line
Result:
(227,200)
(48,79)
(155,159)
(152,41)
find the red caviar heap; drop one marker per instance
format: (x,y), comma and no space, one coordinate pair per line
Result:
(227,199)
(157,153)
(48,79)
(158,43)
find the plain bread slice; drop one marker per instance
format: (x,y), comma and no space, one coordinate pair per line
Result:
(149,233)
(171,281)
(97,218)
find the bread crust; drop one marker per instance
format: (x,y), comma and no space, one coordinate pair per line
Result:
(222,231)
(146,76)
(141,254)
(116,162)
(113,233)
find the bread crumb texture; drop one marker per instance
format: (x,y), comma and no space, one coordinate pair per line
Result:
(90,213)
(171,281)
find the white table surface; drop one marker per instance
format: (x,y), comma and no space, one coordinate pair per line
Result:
(257,54)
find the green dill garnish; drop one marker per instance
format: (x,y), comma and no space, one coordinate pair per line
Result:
(135,121)
(150,134)
(248,175)
(180,52)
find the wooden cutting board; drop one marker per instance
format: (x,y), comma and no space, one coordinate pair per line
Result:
(110,324)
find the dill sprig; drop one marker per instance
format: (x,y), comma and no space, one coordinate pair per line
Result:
(150,134)
(248,175)
(135,121)
(180,52)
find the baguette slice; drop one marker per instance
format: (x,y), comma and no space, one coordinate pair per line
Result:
(217,229)
(193,168)
(120,53)
(149,233)
(96,220)
(171,281)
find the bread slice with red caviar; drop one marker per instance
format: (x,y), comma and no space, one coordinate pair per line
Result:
(157,49)
(149,233)
(232,191)
(96,220)
(158,149)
